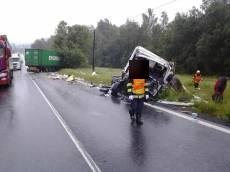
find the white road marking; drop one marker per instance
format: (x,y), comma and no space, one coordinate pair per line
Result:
(76,142)
(181,115)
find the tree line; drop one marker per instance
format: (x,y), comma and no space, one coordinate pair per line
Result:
(198,39)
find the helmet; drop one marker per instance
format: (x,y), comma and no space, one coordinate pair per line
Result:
(197,71)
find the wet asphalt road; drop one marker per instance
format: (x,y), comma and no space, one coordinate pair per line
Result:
(32,139)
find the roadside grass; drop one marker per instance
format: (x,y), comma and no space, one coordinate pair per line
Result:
(219,110)
(103,75)
(170,94)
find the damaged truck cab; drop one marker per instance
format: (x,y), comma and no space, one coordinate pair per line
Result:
(160,73)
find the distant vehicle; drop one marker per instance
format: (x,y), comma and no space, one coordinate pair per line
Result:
(16,61)
(160,73)
(6,70)
(40,60)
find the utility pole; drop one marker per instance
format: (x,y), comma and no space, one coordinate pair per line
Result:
(93,65)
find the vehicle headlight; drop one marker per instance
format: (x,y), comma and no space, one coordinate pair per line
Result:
(3,74)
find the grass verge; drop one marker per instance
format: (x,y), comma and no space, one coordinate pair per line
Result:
(103,75)
(220,110)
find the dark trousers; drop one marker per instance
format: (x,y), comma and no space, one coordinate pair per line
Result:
(217,97)
(196,84)
(137,106)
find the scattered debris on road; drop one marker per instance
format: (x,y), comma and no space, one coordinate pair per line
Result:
(69,79)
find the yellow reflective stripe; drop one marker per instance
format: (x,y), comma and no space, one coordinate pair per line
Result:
(129,90)
(140,91)
(146,89)
(129,85)
(138,96)
(139,82)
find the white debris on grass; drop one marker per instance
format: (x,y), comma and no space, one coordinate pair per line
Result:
(83,73)
(79,79)
(70,78)
(64,76)
(196,98)
(175,103)
(94,73)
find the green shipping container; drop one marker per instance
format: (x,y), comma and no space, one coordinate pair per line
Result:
(41,58)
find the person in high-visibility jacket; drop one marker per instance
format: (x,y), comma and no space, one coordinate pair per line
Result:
(138,91)
(196,79)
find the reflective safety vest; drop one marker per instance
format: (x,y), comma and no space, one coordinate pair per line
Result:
(138,87)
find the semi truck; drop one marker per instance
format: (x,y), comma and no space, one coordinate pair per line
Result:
(6,70)
(16,61)
(41,60)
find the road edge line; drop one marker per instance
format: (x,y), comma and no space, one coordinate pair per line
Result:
(181,115)
(89,160)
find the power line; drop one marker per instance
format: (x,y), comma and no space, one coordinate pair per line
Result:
(160,6)
(165,4)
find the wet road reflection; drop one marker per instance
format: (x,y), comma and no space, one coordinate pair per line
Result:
(157,118)
(138,146)
(31,139)
(7,108)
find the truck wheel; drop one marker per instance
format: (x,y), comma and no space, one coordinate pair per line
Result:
(12,75)
(9,83)
(115,89)
(176,84)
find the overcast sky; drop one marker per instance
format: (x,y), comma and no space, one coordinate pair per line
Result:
(23,21)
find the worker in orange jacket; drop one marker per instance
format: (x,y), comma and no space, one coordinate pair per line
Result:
(138,91)
(196,79)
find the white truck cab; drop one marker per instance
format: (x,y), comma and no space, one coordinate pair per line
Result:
(16,61)
(160,73)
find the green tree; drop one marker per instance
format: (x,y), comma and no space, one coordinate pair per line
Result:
(43,43)
(74,43)
(107,44)
(129,39)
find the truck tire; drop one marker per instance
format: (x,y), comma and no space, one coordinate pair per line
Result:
(176,84)
(115,89)
(12,75)
(9,83)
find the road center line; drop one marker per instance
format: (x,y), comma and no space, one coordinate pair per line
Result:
(76,142)
(181,115)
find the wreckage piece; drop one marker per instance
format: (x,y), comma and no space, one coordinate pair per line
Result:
(160,73)
(176,84)
(70,79)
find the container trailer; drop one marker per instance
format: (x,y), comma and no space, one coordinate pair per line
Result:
(39,60)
